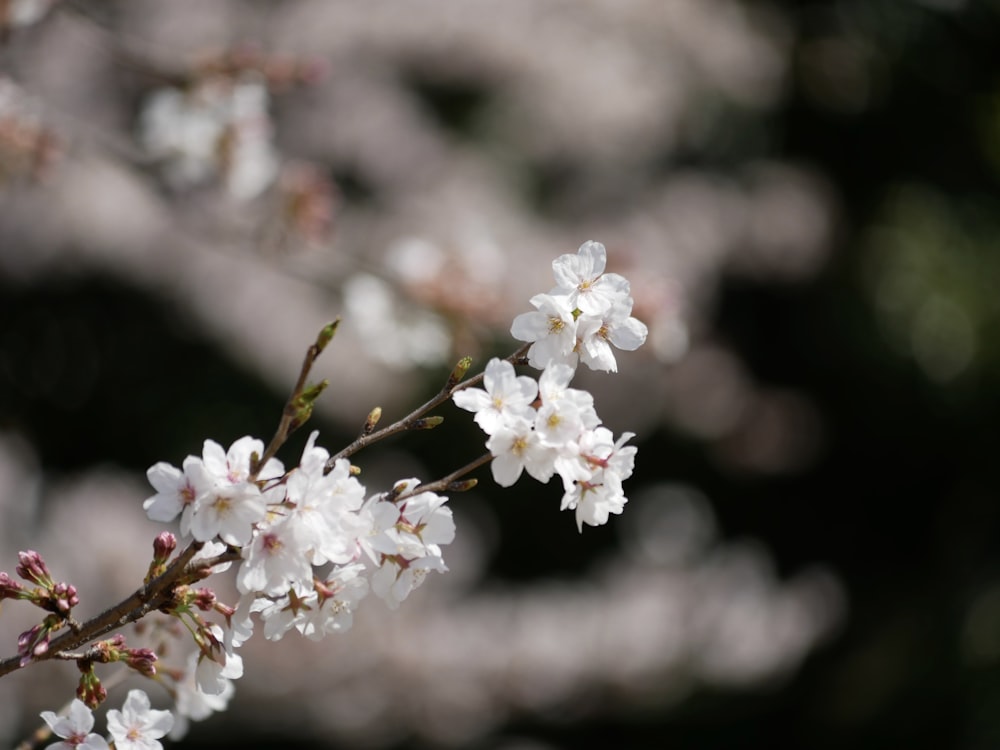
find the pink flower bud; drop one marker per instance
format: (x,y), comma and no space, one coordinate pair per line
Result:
(105,652)
(33,643)
(9,588)
(204,599)
(32,568)
(142,660)
(164,546)
(90,690)
(64,596)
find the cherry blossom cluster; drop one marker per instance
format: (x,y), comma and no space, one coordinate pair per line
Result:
(548,428)
(217,126)
(58,599)
(311,544)
(582,316)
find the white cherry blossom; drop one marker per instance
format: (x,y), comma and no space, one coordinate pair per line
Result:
(582,280)
(212,676)
(233,466)
(323,507)
(137,726)
(228,513)
(336,600)
(282,613)
(517,448)
(551,329)
(395,580)
(593,478)
(424,524)
(217,128)
(74,728)
(192,704)
(506,396)
(176,490)
(274,560)
(615,326)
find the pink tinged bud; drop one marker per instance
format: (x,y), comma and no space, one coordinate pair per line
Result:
(142,660)
(33,643)
(32,568)
(93,696)
(10,589)
(90,690)
(104,652)
(27,637)
(204,599)
(64,597)
(164,546)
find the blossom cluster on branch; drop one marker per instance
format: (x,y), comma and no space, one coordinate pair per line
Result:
(578,320)
(311,542)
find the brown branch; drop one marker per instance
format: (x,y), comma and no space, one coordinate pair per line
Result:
(448,483)
(412,420)
(145,599)
(296,412)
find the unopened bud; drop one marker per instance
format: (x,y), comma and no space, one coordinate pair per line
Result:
(204,599)
(427,423)
(32,568)
(11,589)
(327,334)
(35,642)
(311,392)
(164,546)
(90,690)
(373,417)
(64,597)
(462,485)
(406,485)
(304,403)
(142,660)
(459,372)
(104,652)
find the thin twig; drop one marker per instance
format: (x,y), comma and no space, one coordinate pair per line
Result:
(292,414)
(447,484)
(411,420)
